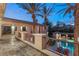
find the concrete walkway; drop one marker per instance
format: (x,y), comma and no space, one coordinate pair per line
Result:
(10,47)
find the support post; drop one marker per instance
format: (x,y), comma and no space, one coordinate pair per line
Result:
(2,8)
(38,40)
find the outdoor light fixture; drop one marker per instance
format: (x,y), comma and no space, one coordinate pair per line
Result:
(21,28)
(13,28)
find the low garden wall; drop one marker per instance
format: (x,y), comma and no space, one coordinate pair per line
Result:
(36,40)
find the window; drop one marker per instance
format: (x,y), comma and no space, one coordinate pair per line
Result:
(23,28)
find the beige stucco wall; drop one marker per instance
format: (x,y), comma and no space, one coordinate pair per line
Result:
(38,40)
(8,22)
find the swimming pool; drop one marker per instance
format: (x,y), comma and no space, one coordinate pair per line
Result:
(61,46)
(69,46)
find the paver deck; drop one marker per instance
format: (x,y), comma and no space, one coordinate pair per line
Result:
(16,48)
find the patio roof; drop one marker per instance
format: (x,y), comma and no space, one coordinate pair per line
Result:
(6,18)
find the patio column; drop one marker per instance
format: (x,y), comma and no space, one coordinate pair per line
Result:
(39,40)
(26,28)
(2,8)
(18,28)
(37,29)
(0,27)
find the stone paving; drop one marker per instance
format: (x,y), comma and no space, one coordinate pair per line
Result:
(16,48)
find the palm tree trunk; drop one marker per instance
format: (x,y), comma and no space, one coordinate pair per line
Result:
(76,30)
(46,23)
(34,21)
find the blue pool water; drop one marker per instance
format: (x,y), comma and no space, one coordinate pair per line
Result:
(69,46)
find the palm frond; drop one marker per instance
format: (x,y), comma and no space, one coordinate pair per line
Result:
(74,13)
(61,11)
(39,5)
(50,11)
(39,15)
(68,10)
(68,4)
(31,7)
(45,10)
(25,6)
(63,4)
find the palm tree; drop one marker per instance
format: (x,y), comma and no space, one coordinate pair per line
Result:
(32,8)
(44,14)
(68,10)
(75,9)
(47,11)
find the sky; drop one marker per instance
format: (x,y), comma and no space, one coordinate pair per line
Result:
(14,11)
